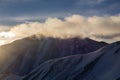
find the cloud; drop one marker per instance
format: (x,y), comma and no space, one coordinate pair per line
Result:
(13,1)
(106,28)
(4,28)
(90,1)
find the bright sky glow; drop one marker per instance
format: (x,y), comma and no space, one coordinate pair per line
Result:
(7,35)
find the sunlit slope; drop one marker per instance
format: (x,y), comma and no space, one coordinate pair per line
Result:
(22,56)
(103,64)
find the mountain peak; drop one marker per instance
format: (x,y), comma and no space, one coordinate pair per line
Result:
(26,54)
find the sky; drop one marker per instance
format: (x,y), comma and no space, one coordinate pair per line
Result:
(96,19)
(18,11)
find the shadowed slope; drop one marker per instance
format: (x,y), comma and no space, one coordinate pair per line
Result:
(9,77)
(102,64)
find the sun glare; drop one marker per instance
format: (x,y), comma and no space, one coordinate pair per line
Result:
(2,42)
(5,36)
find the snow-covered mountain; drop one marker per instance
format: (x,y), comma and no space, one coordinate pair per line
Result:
(22,56)
(103,64)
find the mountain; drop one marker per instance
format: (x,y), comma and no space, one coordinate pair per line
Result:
(10,77)
(102,64)
(22,56)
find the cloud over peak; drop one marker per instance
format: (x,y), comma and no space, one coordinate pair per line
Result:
(105,28)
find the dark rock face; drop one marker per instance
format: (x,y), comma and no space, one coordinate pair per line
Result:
(102,64)
(22,56)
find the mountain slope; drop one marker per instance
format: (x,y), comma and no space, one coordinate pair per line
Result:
(102,64)
(22,56)
(10,77)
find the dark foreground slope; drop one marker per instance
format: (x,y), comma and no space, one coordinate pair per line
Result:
(10,77)
(22,56)
(103,64)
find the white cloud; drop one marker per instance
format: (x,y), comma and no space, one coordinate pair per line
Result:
(105,28)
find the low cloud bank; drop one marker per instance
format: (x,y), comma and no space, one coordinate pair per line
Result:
(105,28)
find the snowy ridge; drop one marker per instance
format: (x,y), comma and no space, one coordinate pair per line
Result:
(102,64)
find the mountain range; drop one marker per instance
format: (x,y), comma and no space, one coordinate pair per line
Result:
(47,58)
